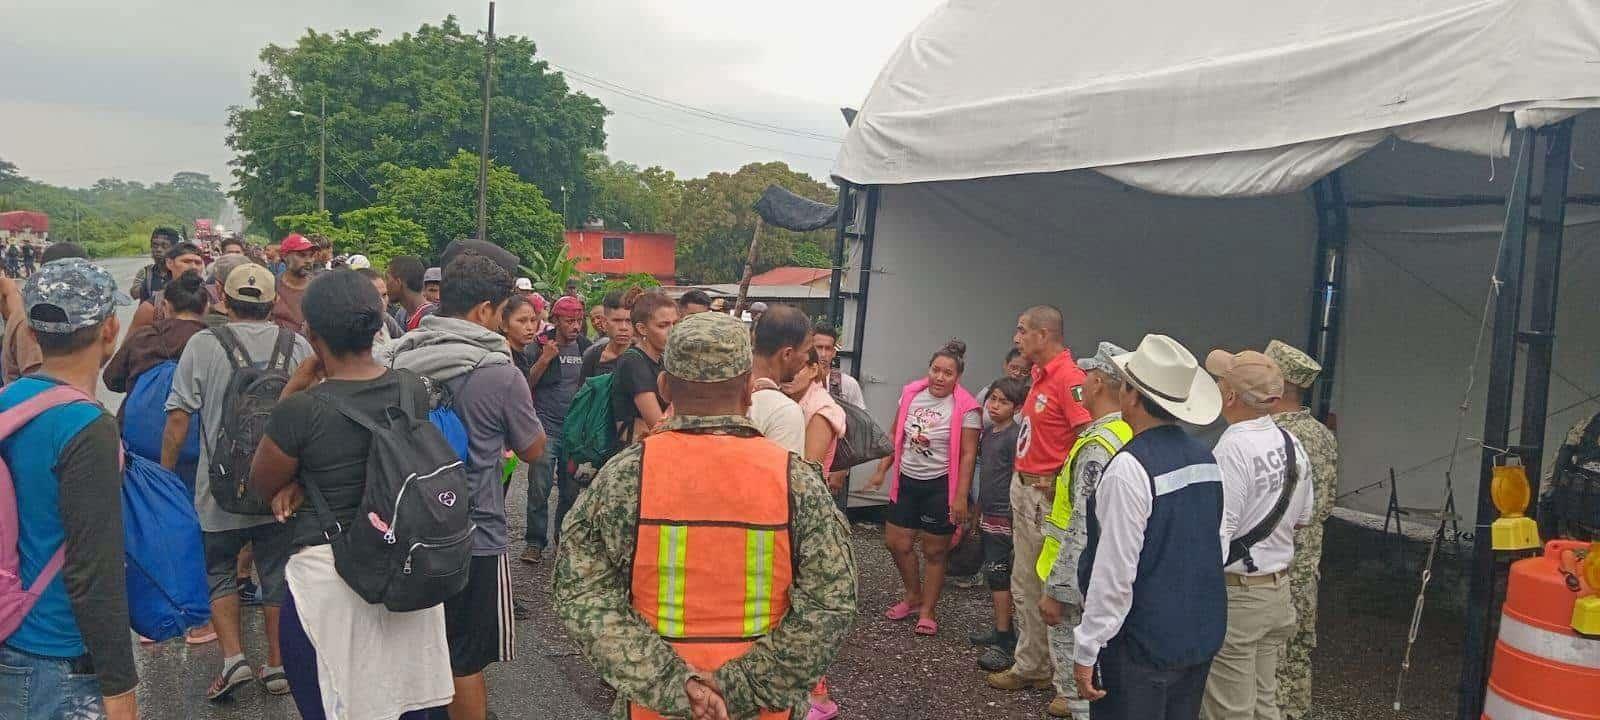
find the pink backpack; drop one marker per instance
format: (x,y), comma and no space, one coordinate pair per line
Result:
(16,600)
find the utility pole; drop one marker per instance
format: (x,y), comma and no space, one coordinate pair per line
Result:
(483,146)
(322,157)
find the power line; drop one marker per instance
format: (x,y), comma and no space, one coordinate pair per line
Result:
(702,113)
(721,138)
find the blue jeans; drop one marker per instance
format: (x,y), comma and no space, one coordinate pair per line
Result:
(40,688)
(544,474)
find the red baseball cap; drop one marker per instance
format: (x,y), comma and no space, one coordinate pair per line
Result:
(295,242)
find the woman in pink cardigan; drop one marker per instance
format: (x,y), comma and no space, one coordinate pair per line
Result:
(935,449)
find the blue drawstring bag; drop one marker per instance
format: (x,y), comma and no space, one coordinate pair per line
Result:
(166,566)
(144,419)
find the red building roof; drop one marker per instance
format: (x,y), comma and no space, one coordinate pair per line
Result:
(19,220)
(791,276)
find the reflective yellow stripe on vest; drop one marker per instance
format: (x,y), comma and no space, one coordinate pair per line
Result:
(758,559)
(670,560)
(1112,436)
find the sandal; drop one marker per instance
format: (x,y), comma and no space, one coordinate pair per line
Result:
(232,678)
(899,611)
(825,710)
(200,635)
(274,680)
(927,626)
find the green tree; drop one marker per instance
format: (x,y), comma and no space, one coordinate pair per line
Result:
(628,198)
(550,268)
(443,201)
(714,221)
(310,223)
(381,233)
(9,175)
(412,102)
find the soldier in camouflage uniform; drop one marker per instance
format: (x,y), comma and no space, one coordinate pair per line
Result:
(1294,668)
(594,566)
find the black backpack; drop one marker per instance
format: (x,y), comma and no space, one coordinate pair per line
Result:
(410,546)
(247,403)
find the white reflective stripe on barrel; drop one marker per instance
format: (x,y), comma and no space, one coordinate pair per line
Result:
(1499,708)
(1564,649)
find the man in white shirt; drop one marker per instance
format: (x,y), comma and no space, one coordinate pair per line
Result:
(782,344)
(825,338)
(1266,484)
(1154,609)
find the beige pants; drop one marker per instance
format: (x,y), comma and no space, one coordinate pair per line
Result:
(1244,676)
(1028,510)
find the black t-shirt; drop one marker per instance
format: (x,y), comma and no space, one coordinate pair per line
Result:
(593,365)
(635,373)
(331,448)
(997,456)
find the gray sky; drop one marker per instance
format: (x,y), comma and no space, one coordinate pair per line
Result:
(138,89)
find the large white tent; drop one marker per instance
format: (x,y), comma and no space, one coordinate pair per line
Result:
(1145,166)
(1142,165)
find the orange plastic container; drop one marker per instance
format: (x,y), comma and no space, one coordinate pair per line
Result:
(1542,669)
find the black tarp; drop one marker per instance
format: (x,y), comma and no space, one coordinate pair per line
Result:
(781,208)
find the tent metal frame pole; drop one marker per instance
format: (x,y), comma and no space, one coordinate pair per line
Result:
(1496,432)
(869,227)
(1541,334)
(836,283)
(1327,304)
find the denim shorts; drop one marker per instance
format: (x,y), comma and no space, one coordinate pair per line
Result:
(33,687)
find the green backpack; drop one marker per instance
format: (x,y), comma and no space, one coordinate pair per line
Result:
(589,434)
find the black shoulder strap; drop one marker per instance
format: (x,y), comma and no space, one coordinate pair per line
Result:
(1239,549)
(319,503)
(237,355)
(282,350)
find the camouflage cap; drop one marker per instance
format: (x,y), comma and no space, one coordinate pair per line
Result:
(707,348)
(70,294)
(1101,360)
(1298,367)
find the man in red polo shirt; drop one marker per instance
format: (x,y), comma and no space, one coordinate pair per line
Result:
(1051,417)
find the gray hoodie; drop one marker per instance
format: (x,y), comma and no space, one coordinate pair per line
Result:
(452,348)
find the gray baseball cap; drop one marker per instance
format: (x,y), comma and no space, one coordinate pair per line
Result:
(70,294)
(433,274)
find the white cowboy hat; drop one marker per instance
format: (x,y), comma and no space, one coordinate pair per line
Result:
(1167,373)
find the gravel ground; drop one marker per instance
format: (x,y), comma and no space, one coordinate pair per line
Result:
(884,671)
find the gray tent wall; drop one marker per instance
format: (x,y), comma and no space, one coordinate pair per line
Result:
(963,258)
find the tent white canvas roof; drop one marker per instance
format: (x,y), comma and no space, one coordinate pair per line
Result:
(1138,164)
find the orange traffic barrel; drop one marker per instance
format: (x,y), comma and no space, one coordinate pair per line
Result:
(1543,669)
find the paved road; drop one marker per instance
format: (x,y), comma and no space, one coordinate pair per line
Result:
(174,676)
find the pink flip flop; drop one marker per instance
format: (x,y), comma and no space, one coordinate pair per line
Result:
(899,611)
(927,626)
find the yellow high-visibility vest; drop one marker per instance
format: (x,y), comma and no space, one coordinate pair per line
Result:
(1111,436)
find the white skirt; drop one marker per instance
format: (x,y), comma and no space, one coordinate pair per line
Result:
(372,664)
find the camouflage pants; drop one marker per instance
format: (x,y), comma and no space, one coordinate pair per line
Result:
(1061,642)
(1294,668)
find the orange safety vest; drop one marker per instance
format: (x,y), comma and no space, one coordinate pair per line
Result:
(713,558)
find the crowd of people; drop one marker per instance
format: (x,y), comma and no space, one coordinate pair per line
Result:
(702,559)
(20,257)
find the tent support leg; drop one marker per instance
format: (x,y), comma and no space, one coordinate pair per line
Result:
(1496,431)
(1327,305)
(870,225)
(836,301)
(1541,335)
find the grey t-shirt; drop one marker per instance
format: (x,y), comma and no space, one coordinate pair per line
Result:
(497,420)
(997,457)
(198,385)
(552,397)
